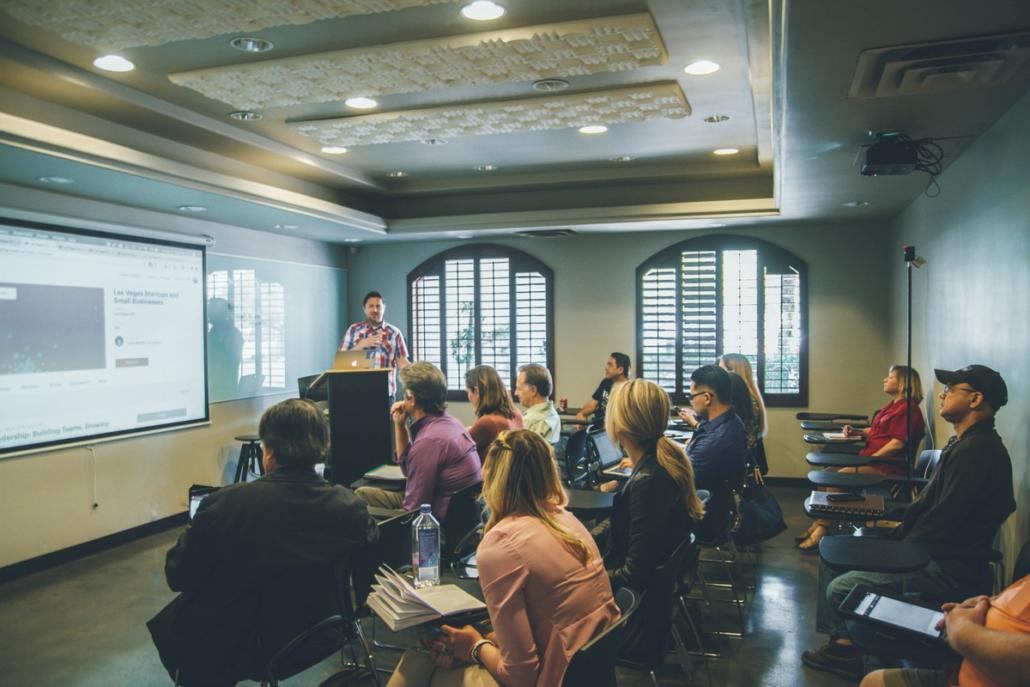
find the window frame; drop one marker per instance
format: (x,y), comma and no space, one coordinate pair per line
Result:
(519,262)
(768,253)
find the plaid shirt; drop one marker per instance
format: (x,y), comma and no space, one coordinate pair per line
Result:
(386,354)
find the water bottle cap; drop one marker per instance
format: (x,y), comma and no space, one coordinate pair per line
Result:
(426,508)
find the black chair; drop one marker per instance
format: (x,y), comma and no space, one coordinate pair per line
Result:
(334,632)
(576,456)
(463,517)
(320,393)
(594,664)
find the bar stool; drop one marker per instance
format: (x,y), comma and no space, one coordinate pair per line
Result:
(250,457)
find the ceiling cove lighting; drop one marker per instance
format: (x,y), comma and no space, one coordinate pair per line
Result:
(245,115)
(725,151)
(482,10)
(360,102)
(251,44)
(334,150)
(702,67)
(192,209)
(593,129)
(620,158)
(484,168)
(113,63)
(856,204)
(56,180)
(396,175)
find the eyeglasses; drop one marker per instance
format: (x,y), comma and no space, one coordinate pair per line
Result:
(690,396)
(948,389)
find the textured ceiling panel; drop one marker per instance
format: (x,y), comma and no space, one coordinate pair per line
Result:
(614,106)
(577,48)
(117,24)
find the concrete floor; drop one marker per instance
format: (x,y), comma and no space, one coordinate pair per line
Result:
(82,624)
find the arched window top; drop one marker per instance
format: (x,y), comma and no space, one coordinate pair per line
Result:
(481,304)
(704,297)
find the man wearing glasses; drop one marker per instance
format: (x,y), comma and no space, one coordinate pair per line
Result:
(963,506)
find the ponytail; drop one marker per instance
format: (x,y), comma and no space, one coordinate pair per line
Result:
(674,461)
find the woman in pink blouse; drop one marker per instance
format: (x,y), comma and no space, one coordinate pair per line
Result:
(495,411)
(542,577)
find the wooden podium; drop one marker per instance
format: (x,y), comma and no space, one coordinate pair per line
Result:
(359,422)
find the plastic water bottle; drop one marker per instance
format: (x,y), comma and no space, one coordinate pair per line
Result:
(425,548)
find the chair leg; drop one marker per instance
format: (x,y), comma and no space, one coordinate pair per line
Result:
(654,680)
(686,665)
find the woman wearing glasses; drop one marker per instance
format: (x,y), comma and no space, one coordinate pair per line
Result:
(542,578)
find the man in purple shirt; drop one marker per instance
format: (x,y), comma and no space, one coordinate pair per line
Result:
(435,452)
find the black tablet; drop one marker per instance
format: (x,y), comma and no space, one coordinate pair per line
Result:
(197,493)
(891,613)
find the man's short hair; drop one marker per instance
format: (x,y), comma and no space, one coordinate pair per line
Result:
(621,360)
(371,294)
(539,377)
(427,385)
(296,433)
(715,378)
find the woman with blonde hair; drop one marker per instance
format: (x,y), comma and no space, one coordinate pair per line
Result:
(495,411)
(542,578)
(655,510)
(735,362)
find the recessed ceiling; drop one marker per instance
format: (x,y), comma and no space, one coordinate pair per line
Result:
(481,149)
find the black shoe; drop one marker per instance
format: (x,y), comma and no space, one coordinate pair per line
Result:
(840,659)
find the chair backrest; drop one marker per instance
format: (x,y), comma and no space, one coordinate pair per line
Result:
(594,664)
(933,461)
(463,516)
(319,394)
(576,454)
(394,545)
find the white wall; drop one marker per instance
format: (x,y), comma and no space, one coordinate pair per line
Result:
(47,497)
(971,301)
(595,301)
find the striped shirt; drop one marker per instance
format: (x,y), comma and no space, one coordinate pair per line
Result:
(386,354)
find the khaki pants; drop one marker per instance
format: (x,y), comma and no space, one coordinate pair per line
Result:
(381,498)
(416,670)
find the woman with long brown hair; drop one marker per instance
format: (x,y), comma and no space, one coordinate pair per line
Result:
(542,578)
(735,362)
(495,411)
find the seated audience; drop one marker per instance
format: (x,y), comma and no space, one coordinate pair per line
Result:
(718,449)
(656,508)
(743,408)
(616,371)
(992,635)
(963,505)
(533,388)
(542,580)
(885,438)
(228,564)
(735,362)
(435,451)
(492,404)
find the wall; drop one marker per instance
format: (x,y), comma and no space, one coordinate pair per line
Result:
(971,300)
(47,497)
(595,301)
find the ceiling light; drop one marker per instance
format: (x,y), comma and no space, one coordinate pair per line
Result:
(482,10)
(593,129)
(334,150)
(463,236)
(352,240)
(56,180)
(396,175)
(717,119)
(286,227)
(360,102)
(716,225)
(113,63)
(251,44)
(856,203)
(701,67)
(550,85)
(484,168)
(434,141)
(725,151)
(192,208)
(245,115)
(620,158)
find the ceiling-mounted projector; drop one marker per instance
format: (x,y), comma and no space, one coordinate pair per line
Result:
(893,153)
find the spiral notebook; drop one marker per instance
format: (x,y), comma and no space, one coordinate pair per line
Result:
(870,505)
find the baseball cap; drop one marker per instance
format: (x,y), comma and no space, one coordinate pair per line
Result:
(981,378)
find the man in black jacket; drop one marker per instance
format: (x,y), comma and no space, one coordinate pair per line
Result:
(965,503)
(260,560)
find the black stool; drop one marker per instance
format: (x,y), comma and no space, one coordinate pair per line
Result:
(250,457)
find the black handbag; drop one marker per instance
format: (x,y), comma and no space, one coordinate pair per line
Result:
(759,517)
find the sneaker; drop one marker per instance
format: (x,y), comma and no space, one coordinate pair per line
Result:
(840,659)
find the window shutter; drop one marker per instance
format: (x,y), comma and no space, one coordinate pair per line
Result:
(495,315)
(273,336)
(460,283)
(740,304)
(698,314)
(531,319)
(782,333)
(658,327)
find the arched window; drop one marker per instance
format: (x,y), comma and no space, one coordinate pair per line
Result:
(712,295)
(481,305)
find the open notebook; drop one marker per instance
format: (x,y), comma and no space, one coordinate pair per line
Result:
(400,605)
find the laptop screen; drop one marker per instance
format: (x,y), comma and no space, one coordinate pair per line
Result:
(607,453)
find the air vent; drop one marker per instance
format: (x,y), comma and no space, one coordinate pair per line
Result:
(942,66)
(546,233)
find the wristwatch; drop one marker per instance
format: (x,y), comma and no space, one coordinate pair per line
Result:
(477,647)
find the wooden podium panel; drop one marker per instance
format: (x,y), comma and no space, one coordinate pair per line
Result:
(359,422)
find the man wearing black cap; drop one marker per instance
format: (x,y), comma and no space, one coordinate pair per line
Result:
(963,506)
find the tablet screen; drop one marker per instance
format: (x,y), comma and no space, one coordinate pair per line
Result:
(900,614)
(195,500)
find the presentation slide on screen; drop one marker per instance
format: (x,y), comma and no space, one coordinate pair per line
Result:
(98,335)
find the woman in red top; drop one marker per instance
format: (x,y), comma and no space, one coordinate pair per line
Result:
(885,438)
(492,404)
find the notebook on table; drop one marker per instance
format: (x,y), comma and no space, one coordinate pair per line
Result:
(385,473)
(872,506)
(400,605)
